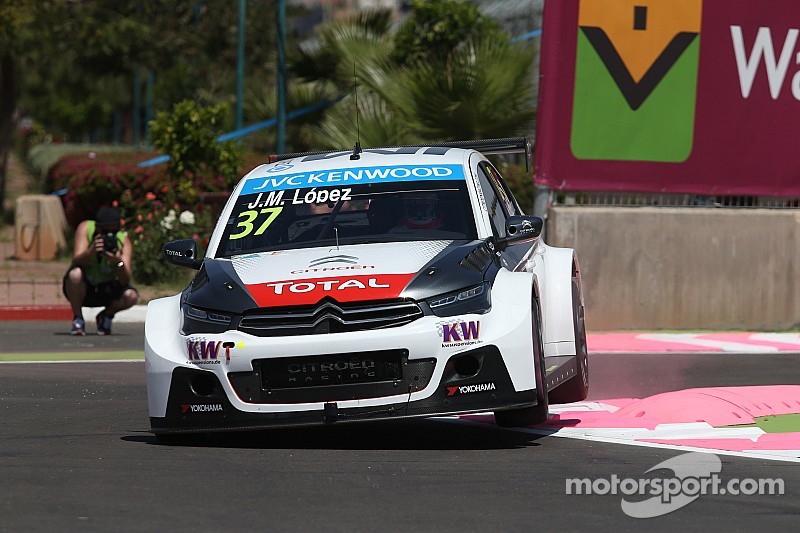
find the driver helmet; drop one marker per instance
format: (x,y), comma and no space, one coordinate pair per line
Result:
(421,211)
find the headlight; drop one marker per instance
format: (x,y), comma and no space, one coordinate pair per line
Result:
(196,320)
(476,299)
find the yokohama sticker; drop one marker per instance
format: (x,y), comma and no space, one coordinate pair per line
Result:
(344,288)
(471,389)
(201,408)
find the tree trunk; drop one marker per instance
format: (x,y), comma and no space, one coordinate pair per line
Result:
(7,105)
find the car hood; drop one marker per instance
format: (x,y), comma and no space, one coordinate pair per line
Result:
(363,272)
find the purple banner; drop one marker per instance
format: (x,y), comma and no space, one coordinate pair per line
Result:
(674,96)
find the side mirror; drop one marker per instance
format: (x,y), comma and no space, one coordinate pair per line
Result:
(182,253)
(521,229)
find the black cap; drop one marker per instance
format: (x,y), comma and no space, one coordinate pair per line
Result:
(107,216)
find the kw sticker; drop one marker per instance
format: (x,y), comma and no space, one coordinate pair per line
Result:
(459,333)
(636,79)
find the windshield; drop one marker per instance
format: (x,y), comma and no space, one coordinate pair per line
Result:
(373,212)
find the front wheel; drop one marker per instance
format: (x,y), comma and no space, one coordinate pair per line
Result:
(530,416)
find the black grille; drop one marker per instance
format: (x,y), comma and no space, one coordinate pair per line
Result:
(329,316)
(332,377)
(331,369)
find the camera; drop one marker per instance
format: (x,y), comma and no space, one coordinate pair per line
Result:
(110,242)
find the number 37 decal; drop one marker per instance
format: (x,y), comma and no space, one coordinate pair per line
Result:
(249,217)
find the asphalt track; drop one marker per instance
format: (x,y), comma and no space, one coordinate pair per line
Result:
(75,455)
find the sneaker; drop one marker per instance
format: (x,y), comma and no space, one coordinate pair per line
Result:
(78,326)
(103,323)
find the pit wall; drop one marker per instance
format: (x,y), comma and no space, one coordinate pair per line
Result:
(684,268)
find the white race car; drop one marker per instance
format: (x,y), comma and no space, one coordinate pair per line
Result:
(368,285)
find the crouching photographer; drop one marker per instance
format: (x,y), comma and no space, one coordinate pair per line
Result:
(100,273)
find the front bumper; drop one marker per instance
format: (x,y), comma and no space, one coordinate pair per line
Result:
(217,381)
(198,401)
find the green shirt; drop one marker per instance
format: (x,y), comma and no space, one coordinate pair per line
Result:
(100,270)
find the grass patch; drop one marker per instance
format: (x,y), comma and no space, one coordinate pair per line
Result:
(788,423)
(70,356)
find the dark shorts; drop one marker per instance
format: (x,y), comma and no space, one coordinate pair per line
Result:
(101,294)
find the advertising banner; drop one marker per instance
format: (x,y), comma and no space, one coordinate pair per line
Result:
(670,96)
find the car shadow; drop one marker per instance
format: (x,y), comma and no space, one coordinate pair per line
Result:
(423,434)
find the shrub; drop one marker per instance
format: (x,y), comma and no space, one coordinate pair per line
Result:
(42,157)
(95,180)
(156,219)
(189,135)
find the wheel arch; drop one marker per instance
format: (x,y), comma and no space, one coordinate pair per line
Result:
(554,273)
(161,337)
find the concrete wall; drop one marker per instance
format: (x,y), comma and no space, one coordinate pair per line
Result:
(691,268)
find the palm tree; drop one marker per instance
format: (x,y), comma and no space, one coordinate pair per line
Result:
(324,71)
(484,87)
(374,123)
(482,90)
(261,102)
(363,38)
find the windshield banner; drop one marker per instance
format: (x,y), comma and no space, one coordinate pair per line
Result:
(670,96)
(352,176)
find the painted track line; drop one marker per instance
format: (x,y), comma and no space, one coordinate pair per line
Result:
(59,362)
(718,342)
(789,339)
(723,345)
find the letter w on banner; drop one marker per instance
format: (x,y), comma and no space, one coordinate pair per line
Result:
(679,96)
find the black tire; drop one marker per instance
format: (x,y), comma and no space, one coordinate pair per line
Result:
(529,416)
(576,388)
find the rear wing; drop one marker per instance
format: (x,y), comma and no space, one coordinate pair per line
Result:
(509,145)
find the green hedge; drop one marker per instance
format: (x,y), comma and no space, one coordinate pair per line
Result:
(42,157)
